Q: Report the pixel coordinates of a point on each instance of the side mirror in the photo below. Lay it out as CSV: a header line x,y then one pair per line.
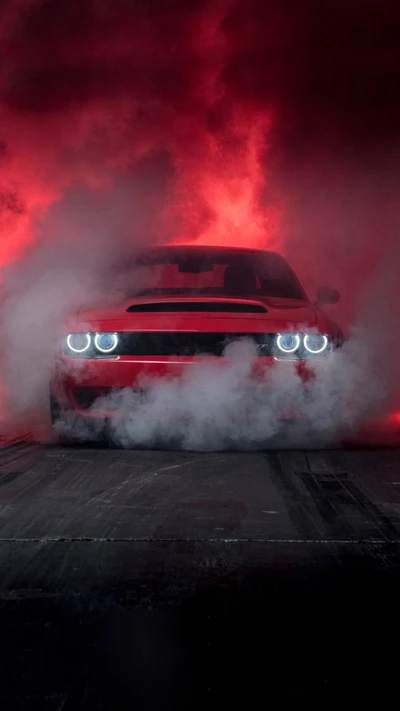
x,y
326,295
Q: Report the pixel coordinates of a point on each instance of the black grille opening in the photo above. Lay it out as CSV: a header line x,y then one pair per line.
x,y
197,306
88,397
185,343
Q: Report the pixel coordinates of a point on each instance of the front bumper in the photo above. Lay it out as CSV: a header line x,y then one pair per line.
x,y
83,386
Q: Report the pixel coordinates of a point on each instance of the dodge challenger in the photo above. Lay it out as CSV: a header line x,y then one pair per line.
x,y
181,306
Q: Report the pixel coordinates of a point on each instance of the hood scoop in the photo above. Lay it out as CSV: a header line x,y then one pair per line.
x,y
236,307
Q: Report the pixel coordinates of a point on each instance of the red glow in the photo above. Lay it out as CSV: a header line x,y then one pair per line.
x,y
228,180
395,419
148,88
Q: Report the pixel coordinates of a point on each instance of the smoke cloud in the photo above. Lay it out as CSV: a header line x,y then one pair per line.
x,y
250,123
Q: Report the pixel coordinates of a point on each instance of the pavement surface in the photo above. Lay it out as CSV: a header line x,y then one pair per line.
x,y
159,579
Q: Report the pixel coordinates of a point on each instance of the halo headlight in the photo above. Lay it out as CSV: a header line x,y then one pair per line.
x,y
288,342
315,343
78,342
106,342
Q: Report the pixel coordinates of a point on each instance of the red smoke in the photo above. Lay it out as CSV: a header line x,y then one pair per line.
x,y
97,95
227,121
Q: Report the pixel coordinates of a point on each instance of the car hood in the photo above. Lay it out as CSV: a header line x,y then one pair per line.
x,y
172,312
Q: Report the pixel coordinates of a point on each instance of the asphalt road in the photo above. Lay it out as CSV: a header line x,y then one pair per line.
x,y
158,580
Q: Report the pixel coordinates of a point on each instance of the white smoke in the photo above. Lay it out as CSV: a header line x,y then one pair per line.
x,y
221,405
81,239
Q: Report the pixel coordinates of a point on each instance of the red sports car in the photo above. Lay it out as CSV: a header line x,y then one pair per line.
x,y
183,306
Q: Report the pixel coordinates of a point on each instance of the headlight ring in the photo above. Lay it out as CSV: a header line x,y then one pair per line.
x,y
106,342
79,342
288,342
315,343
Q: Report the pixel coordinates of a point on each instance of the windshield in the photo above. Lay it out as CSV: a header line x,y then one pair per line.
x,y
208,272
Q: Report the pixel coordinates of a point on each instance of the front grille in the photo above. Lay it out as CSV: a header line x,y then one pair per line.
x,y
182,343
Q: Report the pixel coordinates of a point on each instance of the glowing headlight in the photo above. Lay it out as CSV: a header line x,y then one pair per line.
x,y
106,342
315,343
288,342
78,342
